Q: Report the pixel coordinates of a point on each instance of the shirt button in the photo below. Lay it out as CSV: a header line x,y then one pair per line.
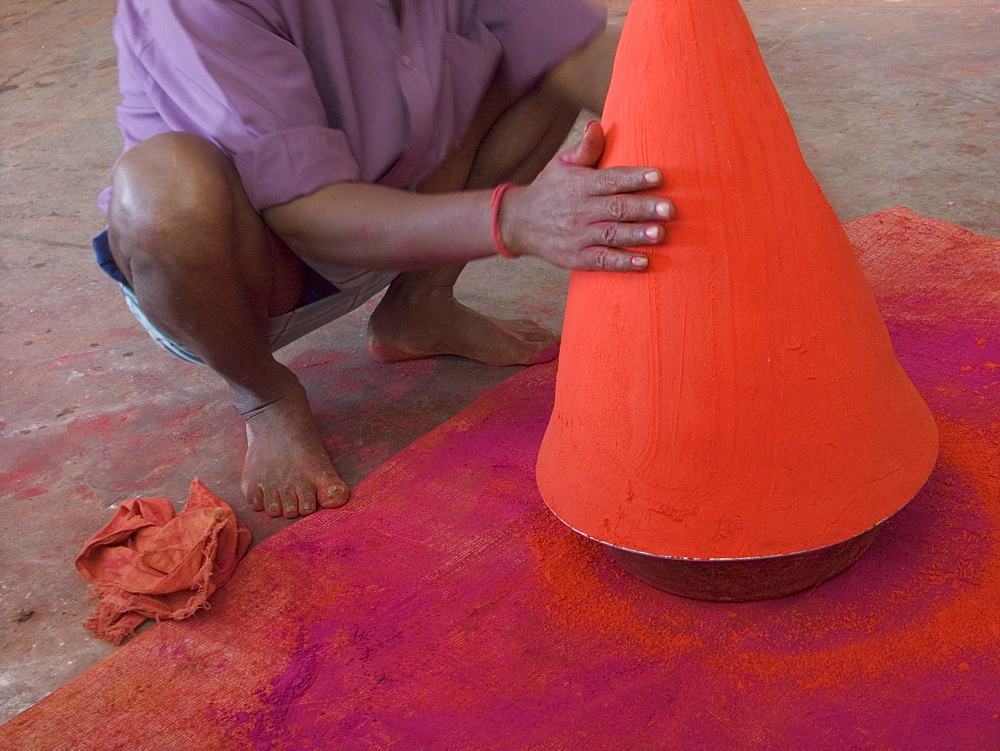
x,y
407,61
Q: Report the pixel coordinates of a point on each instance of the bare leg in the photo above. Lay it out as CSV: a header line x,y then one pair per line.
x,y
208,272
419,315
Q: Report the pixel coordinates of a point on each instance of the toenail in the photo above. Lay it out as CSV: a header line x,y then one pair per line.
x,y
307,507
273,507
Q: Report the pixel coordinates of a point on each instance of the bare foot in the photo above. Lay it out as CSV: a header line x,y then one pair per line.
x,y
436,323
287,470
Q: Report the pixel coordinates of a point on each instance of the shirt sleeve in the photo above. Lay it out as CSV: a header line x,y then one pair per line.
x,y
537,35
229,74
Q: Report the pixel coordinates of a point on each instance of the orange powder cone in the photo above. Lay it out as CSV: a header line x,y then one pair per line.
x,y
741,398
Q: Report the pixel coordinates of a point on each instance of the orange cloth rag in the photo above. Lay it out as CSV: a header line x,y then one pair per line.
x,y
149,562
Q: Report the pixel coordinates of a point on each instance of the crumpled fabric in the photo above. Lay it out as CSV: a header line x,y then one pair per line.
x,y
149,562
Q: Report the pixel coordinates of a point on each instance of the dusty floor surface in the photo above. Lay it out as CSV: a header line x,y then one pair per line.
x,y
896,102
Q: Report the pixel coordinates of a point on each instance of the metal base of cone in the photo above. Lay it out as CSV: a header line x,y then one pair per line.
x,y
744,579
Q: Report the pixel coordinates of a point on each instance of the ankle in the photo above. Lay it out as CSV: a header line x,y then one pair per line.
x,y
418,287
250,402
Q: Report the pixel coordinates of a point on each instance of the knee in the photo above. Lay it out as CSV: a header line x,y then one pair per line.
x,y
168,190
585,76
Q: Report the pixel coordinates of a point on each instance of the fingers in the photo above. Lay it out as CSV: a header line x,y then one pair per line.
x,y
630,221
625,234
579,217
629,208
598,258
587,152
609,239
612,180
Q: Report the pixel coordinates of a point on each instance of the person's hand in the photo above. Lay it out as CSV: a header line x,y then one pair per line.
x,y
578,217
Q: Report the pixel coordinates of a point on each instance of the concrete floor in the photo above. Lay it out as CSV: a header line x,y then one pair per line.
x,y
896,102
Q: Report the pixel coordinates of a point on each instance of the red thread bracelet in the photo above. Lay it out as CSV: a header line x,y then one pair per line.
x,y
498,242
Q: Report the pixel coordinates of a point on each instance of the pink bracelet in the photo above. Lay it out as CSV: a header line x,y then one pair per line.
x,y
498,242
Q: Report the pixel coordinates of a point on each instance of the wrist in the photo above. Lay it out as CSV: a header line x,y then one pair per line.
x,y
500,220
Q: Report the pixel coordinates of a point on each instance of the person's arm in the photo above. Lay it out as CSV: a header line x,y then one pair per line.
x,y
289,160
225,72
376,227
572,215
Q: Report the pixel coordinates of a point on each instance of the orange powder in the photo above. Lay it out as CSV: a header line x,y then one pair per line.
x,y
741,398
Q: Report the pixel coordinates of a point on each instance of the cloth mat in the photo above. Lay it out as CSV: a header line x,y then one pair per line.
x,y
445,607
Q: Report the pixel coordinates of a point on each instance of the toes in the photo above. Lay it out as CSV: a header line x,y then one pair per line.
x,y
301,500
300,497
519,327
531,344
289,504
537,336
307,499
543,337
530,331
531,327
333,493
547,355
273,506
256,498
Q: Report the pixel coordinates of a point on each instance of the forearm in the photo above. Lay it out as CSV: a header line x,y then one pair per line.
x,y
374,227
572,215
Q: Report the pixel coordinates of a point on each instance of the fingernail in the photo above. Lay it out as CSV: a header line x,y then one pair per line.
x,y
664,209
652,177
653,232
639,262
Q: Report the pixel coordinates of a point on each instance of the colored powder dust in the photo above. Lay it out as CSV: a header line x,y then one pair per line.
x,y
445,608
587,592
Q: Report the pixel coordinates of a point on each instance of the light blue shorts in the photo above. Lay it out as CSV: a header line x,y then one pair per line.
x,y
351,289
284,329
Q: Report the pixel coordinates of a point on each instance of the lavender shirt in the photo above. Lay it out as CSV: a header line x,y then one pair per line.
x,y
306,93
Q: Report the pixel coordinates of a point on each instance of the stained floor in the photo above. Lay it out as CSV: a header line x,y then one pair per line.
x,y
896,102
